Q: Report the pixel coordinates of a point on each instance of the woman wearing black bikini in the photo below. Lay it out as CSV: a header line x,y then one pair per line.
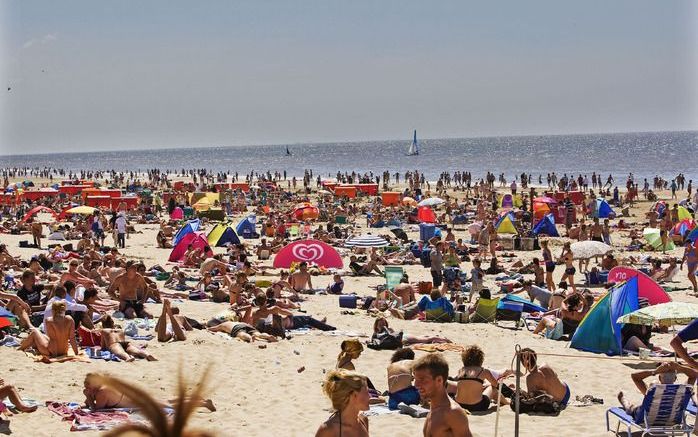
x,y
549,265
348,393
475,386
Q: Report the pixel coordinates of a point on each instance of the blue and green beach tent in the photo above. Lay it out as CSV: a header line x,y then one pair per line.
x,y
546,226
190,226
221,235
599,331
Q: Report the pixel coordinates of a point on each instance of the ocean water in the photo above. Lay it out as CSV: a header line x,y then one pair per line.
x,y
644,154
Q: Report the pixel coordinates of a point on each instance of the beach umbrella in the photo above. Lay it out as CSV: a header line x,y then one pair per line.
x,y
82,210
651,235
306,211
311,251
366,240
665,314
407,200
589,249
431,201
6,318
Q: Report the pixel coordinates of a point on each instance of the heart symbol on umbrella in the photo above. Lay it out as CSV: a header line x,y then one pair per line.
x,y
308,252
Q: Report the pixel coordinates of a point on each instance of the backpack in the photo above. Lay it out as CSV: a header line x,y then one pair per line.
x,y
385,340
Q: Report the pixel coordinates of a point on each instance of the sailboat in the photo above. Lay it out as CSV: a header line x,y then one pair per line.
x,y
414,147
288,152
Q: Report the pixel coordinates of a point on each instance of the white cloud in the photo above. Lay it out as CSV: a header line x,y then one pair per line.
x,y
42,41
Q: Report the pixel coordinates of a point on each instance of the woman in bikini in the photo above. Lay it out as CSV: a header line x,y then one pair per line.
x,y
349,395
690,256
549,265
568,258
100,397
475,386
381,324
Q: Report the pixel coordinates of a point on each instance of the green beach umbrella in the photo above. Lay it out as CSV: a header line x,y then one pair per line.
x,y
652,237
665,314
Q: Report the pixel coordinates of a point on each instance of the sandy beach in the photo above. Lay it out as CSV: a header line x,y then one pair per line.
x,y
262,392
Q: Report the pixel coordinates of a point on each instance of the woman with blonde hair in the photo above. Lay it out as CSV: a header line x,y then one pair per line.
x,y
351,350
348,392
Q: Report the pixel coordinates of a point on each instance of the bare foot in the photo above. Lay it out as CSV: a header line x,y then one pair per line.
x,y
150,358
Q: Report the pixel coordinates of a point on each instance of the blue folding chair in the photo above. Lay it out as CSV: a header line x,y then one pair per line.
x,y
663,412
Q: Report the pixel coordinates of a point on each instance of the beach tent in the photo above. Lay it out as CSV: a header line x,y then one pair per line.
x,y
189,227
647,287
310,251
505,224
683,227
426,215
305,211
684,214
37,209
221,235
599,331
546,226
654,239
196,239
603,209
246,228
660,208
510,201
693,236
177,214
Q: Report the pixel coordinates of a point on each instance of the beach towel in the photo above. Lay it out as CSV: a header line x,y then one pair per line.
x,y
87,420
378,410
81,357
438,347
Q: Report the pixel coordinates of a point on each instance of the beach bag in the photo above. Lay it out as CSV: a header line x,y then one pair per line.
x,y
461,317
540,404
385,341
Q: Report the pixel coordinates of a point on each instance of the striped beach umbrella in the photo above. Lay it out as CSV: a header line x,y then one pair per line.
x,y
366,240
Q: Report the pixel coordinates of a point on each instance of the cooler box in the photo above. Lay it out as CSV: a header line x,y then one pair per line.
x,y
390,198
506,243
425,258
426,231
348,301
527,243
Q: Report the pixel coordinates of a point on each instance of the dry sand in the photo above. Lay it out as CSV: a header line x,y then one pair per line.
x,y
259,392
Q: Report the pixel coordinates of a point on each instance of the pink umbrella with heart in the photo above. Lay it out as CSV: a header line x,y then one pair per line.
x,y
310,251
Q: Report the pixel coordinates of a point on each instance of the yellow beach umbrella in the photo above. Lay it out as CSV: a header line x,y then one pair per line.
x,y
83,210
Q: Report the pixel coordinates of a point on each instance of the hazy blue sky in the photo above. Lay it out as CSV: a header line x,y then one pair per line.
x,y
98,75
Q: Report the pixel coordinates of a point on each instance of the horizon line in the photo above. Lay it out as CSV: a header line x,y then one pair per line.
x,y
314,143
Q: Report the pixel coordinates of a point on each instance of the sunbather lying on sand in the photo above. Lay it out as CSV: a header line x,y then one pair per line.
x,y
100,397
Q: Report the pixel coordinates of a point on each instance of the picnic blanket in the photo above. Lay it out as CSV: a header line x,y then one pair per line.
x,y
438,347
85,419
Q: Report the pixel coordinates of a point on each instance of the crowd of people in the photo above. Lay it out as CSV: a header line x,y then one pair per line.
x,y
87,296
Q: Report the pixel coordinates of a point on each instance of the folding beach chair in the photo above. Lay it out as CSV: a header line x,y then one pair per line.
x,y
486,311
663,412
293,231
393,276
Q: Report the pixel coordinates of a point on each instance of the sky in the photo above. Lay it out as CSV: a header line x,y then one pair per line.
x,y
108,75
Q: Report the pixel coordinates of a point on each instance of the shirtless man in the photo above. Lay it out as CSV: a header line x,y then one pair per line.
x,y
596,231
60,333
242,331
405,292
543,379
446,418
114,340
301,279
213,263
130,285
73,275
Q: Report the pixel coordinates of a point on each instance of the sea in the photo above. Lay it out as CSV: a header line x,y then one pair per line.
x,y
645,154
